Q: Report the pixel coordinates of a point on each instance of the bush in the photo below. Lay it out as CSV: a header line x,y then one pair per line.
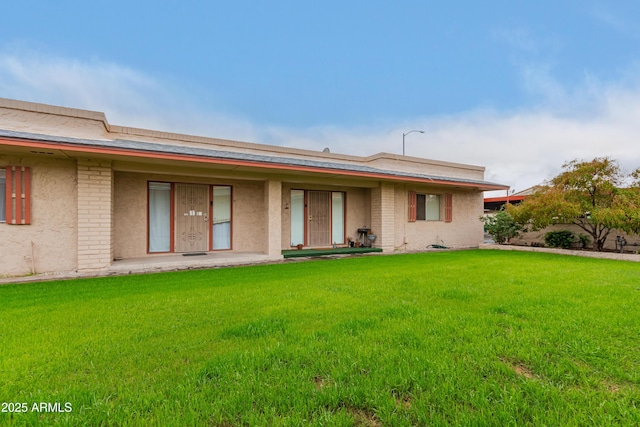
x,y
584,240
559,239
501,226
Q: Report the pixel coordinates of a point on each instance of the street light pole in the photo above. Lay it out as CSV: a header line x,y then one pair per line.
x,y
405,134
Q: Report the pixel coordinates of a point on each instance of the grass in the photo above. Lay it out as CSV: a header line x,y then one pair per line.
x,y
454,338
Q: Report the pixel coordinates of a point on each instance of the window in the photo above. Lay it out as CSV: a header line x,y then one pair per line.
x,y
297,217
337,217
221,217
159,217
427,207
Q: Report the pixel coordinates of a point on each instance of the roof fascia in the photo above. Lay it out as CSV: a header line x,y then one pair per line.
x,y
126,152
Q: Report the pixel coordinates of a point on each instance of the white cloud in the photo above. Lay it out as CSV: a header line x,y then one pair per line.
x,y
519,148
127,96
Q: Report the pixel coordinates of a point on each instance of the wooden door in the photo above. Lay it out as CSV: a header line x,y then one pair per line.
x,y
192,218
319,218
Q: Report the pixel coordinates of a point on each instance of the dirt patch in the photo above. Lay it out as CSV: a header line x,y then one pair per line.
x,y
364,417
615,388
520,369
523,371
322,382
402,400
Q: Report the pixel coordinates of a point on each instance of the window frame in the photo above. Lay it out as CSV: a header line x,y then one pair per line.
x,y
418,207
333,230
172,218
423,210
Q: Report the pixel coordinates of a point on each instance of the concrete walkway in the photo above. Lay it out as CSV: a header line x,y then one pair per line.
x,y
587,254
155,264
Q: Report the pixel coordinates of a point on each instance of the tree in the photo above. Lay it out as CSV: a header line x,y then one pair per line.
x,y
501,226
587,194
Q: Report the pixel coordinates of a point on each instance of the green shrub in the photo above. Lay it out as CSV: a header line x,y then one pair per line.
x,y
559,239
501,226
584,240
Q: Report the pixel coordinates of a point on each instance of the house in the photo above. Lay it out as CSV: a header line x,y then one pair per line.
x,y
80,194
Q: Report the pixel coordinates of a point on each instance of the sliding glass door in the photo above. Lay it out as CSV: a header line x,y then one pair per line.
x,y
188,217
317,218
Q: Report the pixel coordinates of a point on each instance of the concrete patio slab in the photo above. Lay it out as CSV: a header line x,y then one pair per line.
x,y
158,263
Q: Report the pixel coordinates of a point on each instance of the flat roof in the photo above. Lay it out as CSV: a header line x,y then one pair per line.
x,y
125,147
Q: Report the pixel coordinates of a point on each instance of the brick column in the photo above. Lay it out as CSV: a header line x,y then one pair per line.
x,y
273,209
95,215
383,216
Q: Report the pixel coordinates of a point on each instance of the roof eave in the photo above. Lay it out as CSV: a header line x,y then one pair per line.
x,y
77,146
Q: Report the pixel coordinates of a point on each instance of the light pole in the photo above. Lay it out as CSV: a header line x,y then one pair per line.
x,y
405,134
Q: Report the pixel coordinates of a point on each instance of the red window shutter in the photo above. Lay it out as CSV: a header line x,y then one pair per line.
x,y
8,194
448,207
18,193
412,206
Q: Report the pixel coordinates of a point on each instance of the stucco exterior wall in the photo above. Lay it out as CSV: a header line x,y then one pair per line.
x,y
130,212
465,229
425,166
358,211
49,243
249,217
130,215
51,120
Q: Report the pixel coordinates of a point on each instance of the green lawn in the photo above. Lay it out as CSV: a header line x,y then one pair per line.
x,y
452,338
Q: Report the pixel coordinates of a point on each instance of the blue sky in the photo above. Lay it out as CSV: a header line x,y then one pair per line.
x,y
517,86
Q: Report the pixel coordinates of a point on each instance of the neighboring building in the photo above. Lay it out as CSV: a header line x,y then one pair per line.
x,y
77,192
494,204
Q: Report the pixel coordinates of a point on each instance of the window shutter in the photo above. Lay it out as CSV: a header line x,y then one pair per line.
x,y
412,206
448,207
18,195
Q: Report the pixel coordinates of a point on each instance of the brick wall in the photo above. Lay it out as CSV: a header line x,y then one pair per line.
x,y
383,216
95,215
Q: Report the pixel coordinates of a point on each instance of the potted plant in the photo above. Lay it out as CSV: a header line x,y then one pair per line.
x,y
299,246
